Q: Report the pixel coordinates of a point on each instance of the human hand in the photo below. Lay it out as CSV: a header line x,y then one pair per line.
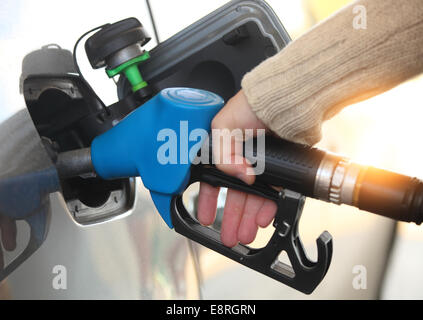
x,y
243,213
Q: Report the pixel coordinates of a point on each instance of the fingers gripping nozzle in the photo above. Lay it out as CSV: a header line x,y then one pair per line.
x,y
302,274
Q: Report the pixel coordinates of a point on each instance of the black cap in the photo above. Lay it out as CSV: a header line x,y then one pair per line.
x,y
112,38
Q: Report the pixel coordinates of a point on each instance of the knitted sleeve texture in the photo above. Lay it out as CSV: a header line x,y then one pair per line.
x,y
335,65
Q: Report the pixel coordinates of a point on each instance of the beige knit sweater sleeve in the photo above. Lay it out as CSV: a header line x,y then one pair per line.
x,y
334,65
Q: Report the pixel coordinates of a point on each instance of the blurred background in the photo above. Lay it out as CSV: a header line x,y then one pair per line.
x,y
383,132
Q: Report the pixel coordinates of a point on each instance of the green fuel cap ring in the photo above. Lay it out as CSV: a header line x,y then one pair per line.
x,y
119,48
131,71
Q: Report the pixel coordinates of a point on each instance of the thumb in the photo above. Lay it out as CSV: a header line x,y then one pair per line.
x,y
228,136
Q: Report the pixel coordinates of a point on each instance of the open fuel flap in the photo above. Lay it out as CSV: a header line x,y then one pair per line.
x,y
67,115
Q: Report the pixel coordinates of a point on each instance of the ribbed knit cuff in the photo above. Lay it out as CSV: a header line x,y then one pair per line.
x,y
334,65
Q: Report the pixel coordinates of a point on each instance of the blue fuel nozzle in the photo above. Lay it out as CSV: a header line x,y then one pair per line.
x,y
158,142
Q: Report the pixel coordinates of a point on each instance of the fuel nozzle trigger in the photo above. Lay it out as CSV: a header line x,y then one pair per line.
x,y
302,274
